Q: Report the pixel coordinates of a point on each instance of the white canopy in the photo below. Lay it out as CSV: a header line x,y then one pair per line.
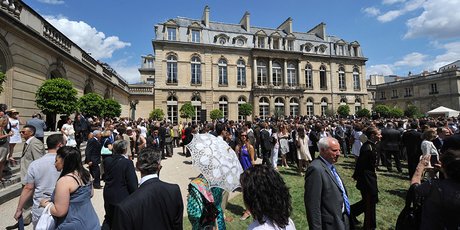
x,y
443,111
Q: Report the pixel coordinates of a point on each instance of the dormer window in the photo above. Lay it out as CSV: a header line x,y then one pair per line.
x,y
222,41
276,43
196,35
321,48
290,45
239,42
261,42
308,47
171,33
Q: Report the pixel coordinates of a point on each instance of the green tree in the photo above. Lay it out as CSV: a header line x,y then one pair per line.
x,y
412,111
56,96
187,110
329,112
363,113
396,112
2,80
245,110
91,104
343,110
383,110
111,108
216,114
157,114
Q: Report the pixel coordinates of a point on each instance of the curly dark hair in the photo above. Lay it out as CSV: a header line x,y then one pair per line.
x,y
266,195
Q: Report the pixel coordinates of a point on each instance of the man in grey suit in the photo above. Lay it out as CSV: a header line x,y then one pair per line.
x,y
39,125
325,197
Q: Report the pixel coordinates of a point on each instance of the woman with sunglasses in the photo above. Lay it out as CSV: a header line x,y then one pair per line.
x,y
245,153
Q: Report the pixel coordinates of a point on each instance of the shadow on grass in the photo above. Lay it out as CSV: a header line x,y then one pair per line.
x,y
290,172
396,176
235,209
398,192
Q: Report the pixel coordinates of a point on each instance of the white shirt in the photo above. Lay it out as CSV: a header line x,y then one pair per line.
x,y
268,225
148,177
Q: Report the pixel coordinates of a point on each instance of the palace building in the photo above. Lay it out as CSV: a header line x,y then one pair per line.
x,y
279,71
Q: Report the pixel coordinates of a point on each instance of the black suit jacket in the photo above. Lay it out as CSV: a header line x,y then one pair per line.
x,y
412,139
391,138
154,205
93,151
120,178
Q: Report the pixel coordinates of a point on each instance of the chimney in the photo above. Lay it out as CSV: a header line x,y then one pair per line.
x,y
319,30
244,22
286,26
205,18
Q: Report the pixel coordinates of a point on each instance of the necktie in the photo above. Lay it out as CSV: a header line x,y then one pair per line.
x,y
345,197
24,148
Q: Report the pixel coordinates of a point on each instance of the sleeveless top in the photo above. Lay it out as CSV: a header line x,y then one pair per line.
x,y
245,159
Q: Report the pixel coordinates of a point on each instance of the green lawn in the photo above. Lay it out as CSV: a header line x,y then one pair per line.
x,y
392,187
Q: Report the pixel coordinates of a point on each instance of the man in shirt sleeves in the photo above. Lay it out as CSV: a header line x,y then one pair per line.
x,y
155,204
326,200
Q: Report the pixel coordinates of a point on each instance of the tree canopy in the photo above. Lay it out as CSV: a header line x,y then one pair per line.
x,y
56,96
245,110
91,104
157,114
343,110
111,108
216,114
187,110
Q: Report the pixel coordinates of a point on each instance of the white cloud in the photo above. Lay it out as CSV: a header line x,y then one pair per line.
x,y
438,20
129,72
451,54
52,2
391,2
87,37
412,60
381,69
371,11
390,15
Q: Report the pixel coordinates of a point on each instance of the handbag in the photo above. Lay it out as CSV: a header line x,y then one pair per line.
x,y
46,220
105,150
410,216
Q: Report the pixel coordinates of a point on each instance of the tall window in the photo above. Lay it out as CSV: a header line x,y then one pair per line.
x,y
342,78
408,92
356,80
241,100
172,69
322,77
171,33
223,106
357,105
394,93
279,106
291,75
323,106
434,88
196,71
262,73
196,103
261,42
223,80
263,107
241,72
382,95
308,77
172,109
196,36
276,43
290,45
310,107
277,74
294,107
340,50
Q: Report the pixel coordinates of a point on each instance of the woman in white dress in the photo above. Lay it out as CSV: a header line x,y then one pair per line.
x,y
68,130
283,136
356,140
16,138
276,148
303,153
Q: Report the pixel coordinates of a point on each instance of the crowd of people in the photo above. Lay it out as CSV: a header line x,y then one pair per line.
x,y
115,148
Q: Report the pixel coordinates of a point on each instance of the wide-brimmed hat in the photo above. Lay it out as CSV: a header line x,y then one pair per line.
x,y
12,111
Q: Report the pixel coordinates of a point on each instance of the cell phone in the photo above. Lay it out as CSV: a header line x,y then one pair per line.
x,y
434,160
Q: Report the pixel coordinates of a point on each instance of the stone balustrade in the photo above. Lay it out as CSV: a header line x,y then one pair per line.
x,y
13,7
141,90
56,37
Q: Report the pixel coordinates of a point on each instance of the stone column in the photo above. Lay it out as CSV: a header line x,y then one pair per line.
x,y
299,74
271,108
270,77
287,107
285,83
254,71
255,106
302,106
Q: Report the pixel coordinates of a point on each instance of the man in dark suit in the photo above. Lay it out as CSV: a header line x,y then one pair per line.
x,y
326,199
412,140
155,204
93,157
266,143
391,138
39,125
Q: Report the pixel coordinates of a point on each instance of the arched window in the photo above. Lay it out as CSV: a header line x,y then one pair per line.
x,y
223,106
291,75
241,73
279,107
196,103
356,80
223,79
310,107
262,73
264,104
171,65
323,106
196,71
357,105
342,78
172,109
322,77
308,77
241,100
277,75
294,107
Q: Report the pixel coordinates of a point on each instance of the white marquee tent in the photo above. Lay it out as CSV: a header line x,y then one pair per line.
x,y
443,111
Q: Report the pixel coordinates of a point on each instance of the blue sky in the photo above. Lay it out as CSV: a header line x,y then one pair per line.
x,y
397,36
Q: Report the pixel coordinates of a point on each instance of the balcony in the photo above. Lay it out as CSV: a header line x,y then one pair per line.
x,y
141,90
284,89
